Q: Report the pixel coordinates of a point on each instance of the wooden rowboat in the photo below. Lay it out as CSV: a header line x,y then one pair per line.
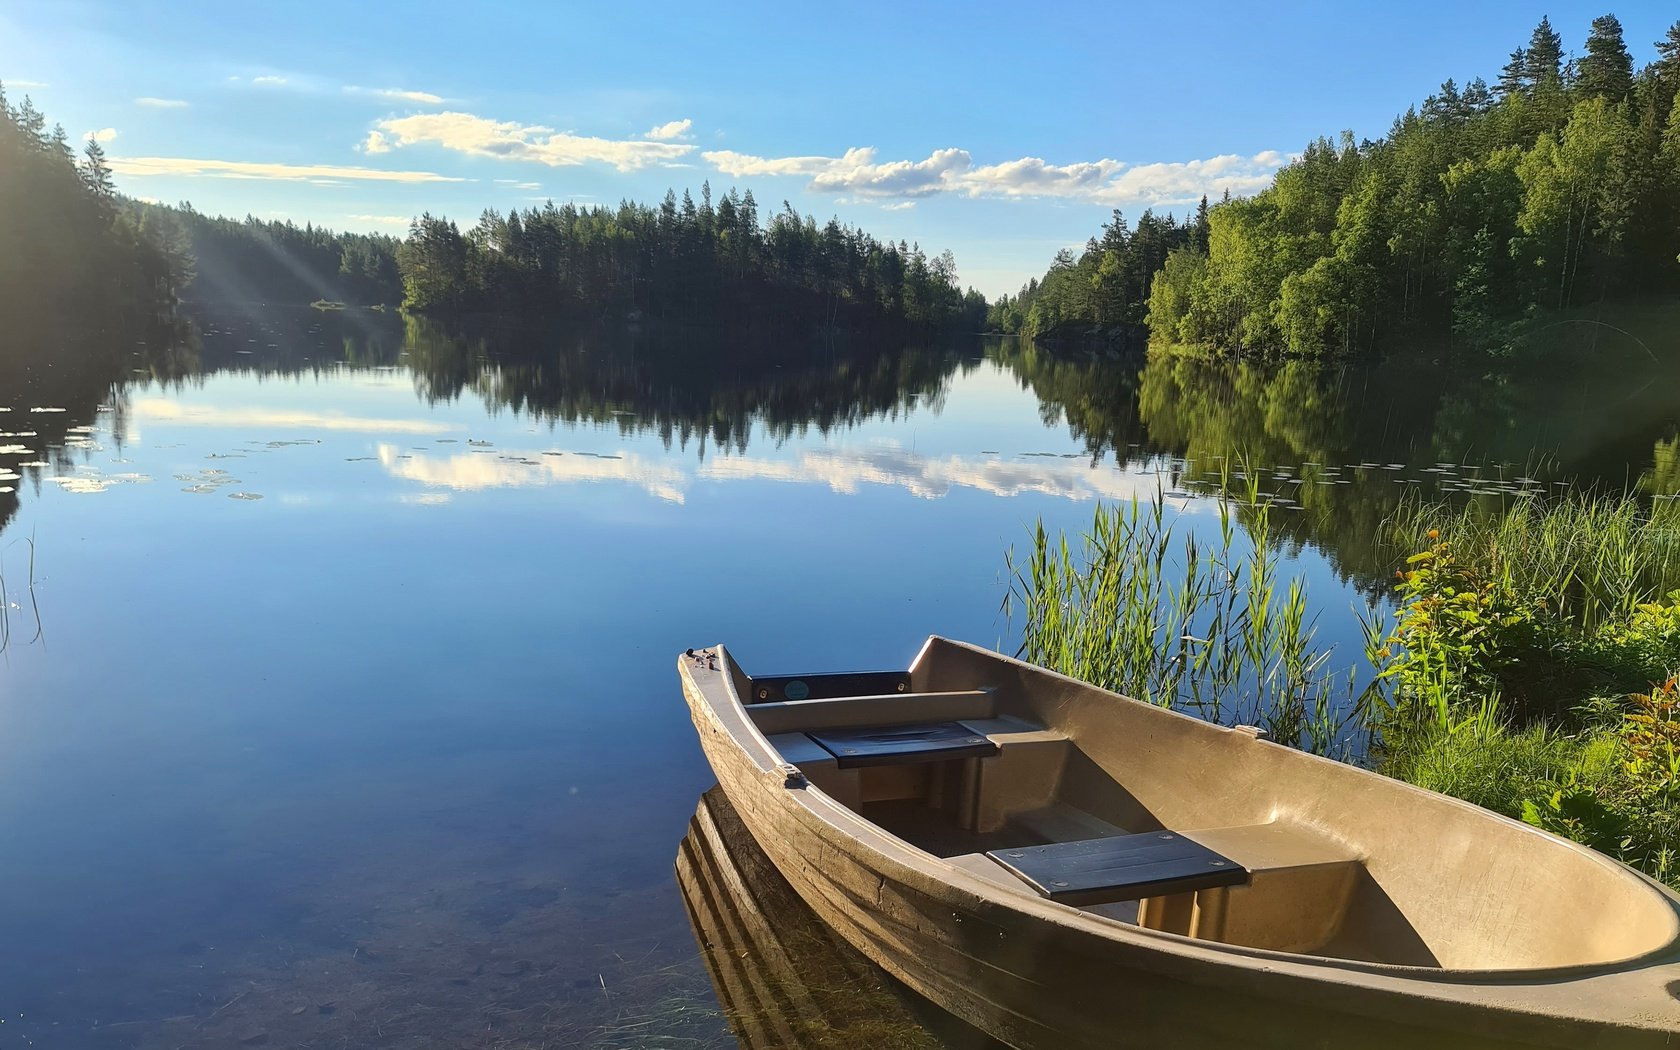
x,y
1062,867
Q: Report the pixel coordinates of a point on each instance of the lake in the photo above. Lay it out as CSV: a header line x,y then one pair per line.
x,y
338,703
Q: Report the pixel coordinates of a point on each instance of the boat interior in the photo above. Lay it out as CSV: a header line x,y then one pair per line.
x,y
1045,787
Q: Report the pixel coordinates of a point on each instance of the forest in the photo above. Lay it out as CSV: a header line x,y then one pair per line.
x,y
682,262
1483,214
70,246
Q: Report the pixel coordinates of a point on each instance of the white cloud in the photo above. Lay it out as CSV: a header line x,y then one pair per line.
x,y
1032,177
160,103
398,95
519,184
743,165
25,83
239,169
898,206
507,140
268,81
855,172
102,135
383,220
676,129
1106,181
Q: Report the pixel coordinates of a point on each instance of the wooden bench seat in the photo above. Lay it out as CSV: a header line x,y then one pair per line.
x,y
887,709
902,745
1120,868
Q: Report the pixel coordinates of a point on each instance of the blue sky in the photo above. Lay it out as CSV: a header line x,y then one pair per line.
x,y
1000,131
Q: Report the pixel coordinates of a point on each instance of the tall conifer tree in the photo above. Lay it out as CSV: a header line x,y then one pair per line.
x,y
1543,60
1607,69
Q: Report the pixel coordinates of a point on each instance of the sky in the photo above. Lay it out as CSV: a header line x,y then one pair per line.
x,y
1003,132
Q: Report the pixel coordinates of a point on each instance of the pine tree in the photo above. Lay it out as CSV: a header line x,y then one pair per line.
x,y
1665,71
33,125
60,146
1543,61
1607,69
1513,79
1668,51
96,174
1478,97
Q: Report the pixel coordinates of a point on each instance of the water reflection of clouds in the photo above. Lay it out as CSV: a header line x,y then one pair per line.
x,y
841,470
487,470
166,410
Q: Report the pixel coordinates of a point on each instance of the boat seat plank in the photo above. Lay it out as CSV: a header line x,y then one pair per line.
x,y
778,688
902,745
803,716
1119,868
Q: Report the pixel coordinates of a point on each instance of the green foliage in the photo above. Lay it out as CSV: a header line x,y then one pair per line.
x,y
1451,633
1480,208
1108,284
1569,611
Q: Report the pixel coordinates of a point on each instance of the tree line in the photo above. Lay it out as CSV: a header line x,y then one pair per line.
x,y
278,261
687,261
69,246
1481,212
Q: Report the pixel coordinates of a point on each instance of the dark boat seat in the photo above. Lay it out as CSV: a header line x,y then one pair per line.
x,y
858,712
902,745
1120,868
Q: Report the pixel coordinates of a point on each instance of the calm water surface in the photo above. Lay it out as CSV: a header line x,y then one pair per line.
x,y
338,703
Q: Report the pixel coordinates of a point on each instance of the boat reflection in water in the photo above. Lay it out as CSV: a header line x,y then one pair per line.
x,y
784,978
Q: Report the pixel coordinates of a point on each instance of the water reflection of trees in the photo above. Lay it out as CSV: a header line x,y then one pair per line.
x,y
1310,423
71,370
1303,430
685,386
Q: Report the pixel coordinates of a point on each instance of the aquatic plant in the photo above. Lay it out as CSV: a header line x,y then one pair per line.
x,y
1142,607
7,604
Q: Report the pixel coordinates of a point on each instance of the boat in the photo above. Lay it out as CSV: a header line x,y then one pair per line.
x,y
1060,866
786,981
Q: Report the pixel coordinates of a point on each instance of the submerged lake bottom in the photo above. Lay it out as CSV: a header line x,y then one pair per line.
x,y
338,704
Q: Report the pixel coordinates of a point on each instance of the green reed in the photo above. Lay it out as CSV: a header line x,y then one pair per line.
x,y
6,602
1140,606
1585,558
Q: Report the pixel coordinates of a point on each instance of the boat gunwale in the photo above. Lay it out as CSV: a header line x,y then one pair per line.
x,y
868,836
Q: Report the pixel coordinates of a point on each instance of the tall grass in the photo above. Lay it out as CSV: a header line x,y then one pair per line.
x,y
1142,607
1585,559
